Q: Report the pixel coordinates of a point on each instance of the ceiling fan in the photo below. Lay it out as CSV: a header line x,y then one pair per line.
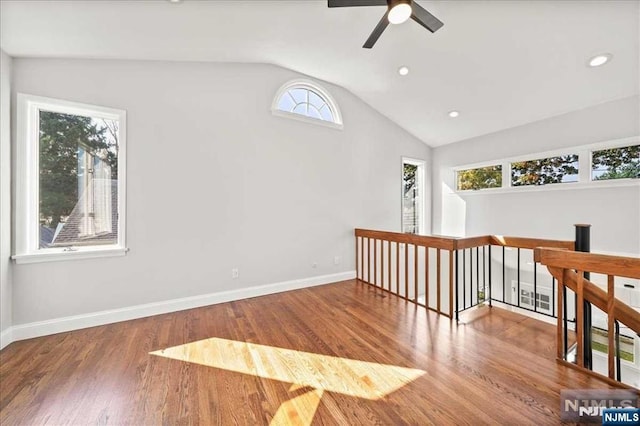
x,y
397,12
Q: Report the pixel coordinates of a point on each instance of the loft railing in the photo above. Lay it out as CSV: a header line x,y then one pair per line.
x,y
508,272
570,270
451,275
413,267
446,274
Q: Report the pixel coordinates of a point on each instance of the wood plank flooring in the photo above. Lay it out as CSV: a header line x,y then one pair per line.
x,y
292,358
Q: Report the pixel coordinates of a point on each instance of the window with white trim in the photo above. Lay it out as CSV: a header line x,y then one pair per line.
x,y
479,178
70,180
610,163
616,163
307,100
413,196
544,171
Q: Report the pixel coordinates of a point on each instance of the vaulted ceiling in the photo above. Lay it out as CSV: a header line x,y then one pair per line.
x,y
500,63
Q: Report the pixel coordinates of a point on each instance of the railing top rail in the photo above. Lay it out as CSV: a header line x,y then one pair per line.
x,y
620,266
455,243
445,243
531,243
472,242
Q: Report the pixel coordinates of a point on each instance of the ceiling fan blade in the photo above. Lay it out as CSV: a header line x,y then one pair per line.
x,y
349,3
424,18
377,31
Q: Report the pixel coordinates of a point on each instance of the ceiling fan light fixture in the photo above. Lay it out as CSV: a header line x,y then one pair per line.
x,y
399,11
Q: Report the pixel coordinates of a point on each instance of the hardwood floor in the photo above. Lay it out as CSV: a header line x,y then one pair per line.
x,y
342,353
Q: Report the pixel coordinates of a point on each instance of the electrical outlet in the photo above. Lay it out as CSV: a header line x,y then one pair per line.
x,y
235,273
337,260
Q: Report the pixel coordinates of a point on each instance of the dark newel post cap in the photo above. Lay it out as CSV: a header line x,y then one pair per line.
x,y
583,225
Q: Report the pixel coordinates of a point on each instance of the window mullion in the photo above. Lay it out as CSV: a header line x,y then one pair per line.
x,y
584,166
506,174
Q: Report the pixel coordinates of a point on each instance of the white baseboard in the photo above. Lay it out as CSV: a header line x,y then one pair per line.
x,y
76,322
6,337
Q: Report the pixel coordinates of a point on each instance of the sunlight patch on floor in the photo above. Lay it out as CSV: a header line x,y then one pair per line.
x,y
351,377
299,410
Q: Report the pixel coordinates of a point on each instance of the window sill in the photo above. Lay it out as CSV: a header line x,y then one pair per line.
x,y
60,255
305,119
553,187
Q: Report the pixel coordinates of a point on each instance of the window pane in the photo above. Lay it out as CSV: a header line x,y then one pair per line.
x,y
301,109
327,114
78,160
286,103
617,163
316,100
560,169
314,113
300,95
410,200
484,177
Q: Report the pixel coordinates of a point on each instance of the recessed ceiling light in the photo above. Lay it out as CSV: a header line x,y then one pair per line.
x,y
175,1
454,114
599,60
400,11
403,70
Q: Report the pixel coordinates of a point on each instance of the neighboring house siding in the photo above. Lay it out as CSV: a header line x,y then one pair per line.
x,y
68,235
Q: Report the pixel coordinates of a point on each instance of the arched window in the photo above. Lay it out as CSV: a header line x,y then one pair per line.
x,y
305,99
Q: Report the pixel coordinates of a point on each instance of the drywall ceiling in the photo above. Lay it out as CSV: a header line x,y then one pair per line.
x,y
500,63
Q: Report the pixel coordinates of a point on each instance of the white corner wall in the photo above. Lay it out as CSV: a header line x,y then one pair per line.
x,y
5,199
215,182
613,212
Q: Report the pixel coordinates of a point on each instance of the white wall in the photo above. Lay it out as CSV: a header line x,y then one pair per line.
x,y
5,196
215,181
613,212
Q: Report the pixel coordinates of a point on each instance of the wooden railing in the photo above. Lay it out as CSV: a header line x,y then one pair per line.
x,y
383,258
569,269
450,275
434,271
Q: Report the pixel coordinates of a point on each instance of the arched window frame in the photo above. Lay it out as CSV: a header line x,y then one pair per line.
x,y
314,87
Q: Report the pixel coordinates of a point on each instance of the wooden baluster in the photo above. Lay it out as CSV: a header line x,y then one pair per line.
x,y
368,261
426,277
362,258
450,283
389,262
439,280
415,273
561,314
375,262
610,326
382,264
397,269
357,257
580,319
406,270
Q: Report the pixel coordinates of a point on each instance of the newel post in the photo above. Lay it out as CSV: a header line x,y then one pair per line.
x,y
583,237
583,244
